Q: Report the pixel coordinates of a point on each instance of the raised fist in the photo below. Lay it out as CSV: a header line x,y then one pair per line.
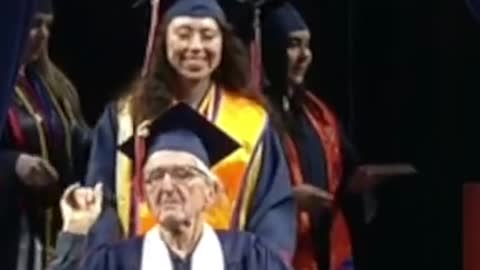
x,y
80,207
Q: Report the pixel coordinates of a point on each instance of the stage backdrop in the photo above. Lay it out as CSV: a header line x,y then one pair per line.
x,y
402,75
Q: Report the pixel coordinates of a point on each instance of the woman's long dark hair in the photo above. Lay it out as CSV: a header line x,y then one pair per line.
x,y
155,93
275,63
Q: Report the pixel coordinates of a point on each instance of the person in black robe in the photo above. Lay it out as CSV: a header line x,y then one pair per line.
x,y
179,187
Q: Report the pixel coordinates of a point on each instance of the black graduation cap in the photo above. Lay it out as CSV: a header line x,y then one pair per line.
x,y
196,8
200,8
279,20
181,128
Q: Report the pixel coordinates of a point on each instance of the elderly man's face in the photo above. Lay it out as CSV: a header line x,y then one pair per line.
x,y
176,190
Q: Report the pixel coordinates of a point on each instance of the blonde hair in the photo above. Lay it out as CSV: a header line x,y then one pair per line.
x,y
61,87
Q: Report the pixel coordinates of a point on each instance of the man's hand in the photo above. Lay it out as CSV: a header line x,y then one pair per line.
x,y
311,198
80,207
35,171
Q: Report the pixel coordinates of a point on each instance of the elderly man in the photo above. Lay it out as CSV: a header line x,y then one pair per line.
x,y
179,187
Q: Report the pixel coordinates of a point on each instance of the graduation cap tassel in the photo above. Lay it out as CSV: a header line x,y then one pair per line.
x,y
140,155
154,23
255,53
139,159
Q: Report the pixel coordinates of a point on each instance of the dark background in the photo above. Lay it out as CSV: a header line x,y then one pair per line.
x,y
402,75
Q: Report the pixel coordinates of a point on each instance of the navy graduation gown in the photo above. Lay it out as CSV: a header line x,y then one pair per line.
x,y
22,202
272,214
15,18
242,251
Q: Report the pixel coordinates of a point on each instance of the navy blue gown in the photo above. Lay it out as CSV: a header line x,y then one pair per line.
x,y
15,18
29,217
242,251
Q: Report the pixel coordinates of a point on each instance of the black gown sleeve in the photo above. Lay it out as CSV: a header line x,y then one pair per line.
x,y
9,182
101,162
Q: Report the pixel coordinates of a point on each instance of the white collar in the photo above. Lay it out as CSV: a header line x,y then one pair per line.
x,y
208,253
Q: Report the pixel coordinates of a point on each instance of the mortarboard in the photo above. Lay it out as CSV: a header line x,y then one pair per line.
x,y
183,129
279,21
196,8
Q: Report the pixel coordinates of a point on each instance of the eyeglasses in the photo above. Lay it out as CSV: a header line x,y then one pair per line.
x,y
177,173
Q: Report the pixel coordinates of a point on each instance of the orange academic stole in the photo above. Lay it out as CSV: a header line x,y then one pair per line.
x,y
325,125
